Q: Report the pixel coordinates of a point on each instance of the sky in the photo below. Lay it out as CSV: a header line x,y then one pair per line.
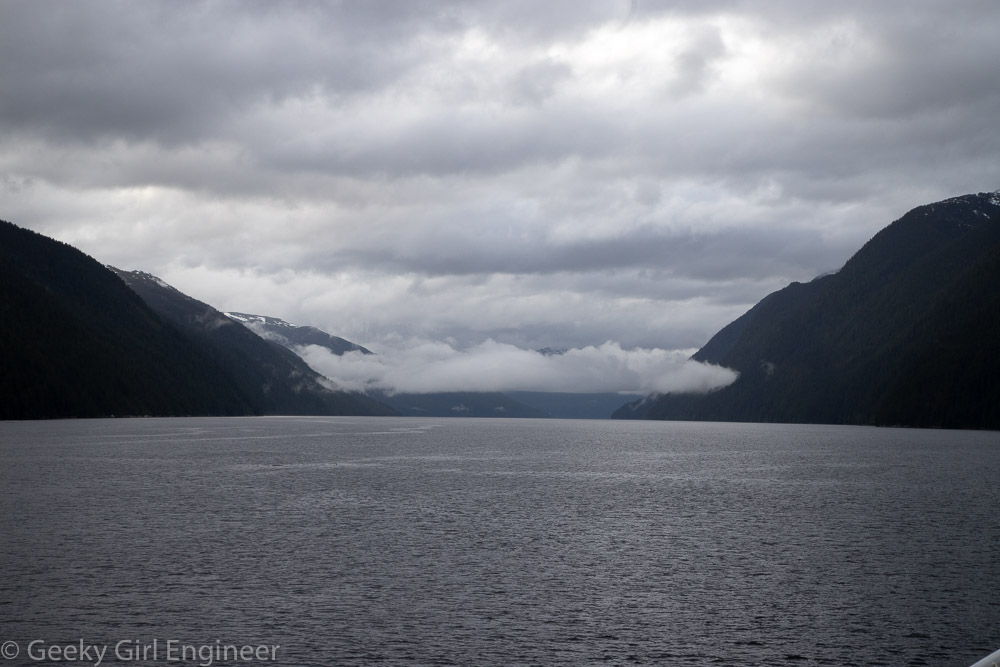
x,y
482,179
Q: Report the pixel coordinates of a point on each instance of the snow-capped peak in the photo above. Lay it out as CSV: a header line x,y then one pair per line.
x,y
146,277
247,318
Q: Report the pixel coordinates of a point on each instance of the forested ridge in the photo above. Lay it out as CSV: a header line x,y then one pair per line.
x,y
904,334
77,341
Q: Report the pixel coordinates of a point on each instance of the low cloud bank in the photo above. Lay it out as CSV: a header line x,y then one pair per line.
x,y
431,366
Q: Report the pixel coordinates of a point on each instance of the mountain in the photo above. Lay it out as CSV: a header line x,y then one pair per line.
x,y
460,404
437,404
276,380
562,405
292,335
528,404
75,341
904,333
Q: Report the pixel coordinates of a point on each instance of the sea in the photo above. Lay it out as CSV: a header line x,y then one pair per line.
x,y
394,541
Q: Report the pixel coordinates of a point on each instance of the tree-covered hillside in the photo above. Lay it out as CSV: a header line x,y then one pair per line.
x,y
276,379
904,333
75,341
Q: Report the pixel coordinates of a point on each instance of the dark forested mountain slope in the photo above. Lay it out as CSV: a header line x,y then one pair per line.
x,y
950,376
77,342
902,334
275,379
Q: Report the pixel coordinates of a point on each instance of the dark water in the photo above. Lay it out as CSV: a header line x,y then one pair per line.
x,y
404,541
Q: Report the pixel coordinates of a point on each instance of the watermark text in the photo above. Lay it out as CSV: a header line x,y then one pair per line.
x,y
138,651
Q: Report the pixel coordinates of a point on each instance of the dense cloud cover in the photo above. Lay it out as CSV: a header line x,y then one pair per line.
x,y
534,174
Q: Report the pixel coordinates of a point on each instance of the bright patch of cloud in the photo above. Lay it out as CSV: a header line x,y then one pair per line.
x,y
431,366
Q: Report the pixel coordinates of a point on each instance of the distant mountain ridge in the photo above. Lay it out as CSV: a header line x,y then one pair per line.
x,y
276,380
565,405
291,335
905,333
510,404
433,404
460,404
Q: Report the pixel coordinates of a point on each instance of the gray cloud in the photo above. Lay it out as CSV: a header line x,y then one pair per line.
x,y
722,255
562,174
106,70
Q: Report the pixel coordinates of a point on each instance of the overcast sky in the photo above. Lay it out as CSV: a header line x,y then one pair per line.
x,y
530,174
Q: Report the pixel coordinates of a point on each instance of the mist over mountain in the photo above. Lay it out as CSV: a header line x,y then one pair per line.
x,y
421,366
510,404
274,378
904,333
307,342
433,379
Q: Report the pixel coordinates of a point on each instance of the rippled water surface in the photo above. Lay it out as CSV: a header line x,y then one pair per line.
x,y
353,541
